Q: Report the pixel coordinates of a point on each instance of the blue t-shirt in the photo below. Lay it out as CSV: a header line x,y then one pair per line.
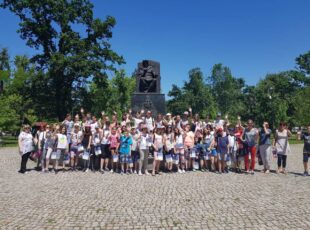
x,y
222,143
264,139
125,143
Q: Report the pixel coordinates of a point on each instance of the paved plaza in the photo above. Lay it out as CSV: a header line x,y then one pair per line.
x,y
195,200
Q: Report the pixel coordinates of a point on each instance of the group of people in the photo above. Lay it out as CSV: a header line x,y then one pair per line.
x,y
175,143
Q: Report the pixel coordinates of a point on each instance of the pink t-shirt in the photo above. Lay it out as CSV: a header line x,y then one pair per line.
x,y
114,140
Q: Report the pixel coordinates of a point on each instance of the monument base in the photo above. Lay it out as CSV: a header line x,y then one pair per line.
x,y
154,102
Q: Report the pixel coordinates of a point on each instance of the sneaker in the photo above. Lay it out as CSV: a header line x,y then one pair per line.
x,y
111,171
194,170
147,173
140,173
252,172
106,169
183,171
134,172
122,172
202,170
267,171
306,173
180,171
86,170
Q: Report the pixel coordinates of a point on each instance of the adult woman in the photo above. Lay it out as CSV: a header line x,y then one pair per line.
x,y
250,138
265,146
25,144
86,141
282,146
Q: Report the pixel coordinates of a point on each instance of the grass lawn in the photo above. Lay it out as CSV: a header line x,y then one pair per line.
x,y
9,141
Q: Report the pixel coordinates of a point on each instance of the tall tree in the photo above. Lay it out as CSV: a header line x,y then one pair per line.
x,y
69,57
226,89
4,68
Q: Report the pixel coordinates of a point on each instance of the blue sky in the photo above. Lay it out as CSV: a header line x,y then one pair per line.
x,y
253,38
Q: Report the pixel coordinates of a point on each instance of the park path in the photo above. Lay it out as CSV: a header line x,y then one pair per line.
x,y
195,200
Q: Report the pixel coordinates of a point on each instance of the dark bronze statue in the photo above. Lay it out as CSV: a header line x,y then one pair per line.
x,y
147,78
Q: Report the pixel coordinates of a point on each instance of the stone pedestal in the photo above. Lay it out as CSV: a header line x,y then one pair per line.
x,y
154,102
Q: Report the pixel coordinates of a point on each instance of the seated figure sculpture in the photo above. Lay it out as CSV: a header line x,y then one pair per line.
x,y
147,78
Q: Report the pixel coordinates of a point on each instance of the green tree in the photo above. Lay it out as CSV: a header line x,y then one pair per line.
x,y
303,62
4,68
227,90
69,58
302,104
195,94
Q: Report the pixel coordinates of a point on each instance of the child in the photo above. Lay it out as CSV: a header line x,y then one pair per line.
x,y
232,148
105,147
169,148
199,152
144,140
86,141
49,145
96,147
114,144
76,139
125,150
179,149
222,150
134,150
189,142
210,152
62,148
158,146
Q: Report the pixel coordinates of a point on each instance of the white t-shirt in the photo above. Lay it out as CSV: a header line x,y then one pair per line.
x,y
219,123
92,127
62,141
232,141
26,140
137,121
149,123
144,141
134,142
76,137
105,138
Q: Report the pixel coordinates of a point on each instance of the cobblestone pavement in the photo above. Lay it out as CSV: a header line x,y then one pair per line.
x,y
195,200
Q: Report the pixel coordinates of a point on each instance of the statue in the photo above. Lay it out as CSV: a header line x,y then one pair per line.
x,y
148,77
148,95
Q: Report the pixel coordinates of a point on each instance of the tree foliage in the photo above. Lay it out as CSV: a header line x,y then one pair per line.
x,y
69,57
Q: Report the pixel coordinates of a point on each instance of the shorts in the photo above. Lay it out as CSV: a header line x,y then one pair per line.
x,y
123,158
306,157
187,154
213,152
135,156
62,154
175,158
73,150
222,156
105,151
